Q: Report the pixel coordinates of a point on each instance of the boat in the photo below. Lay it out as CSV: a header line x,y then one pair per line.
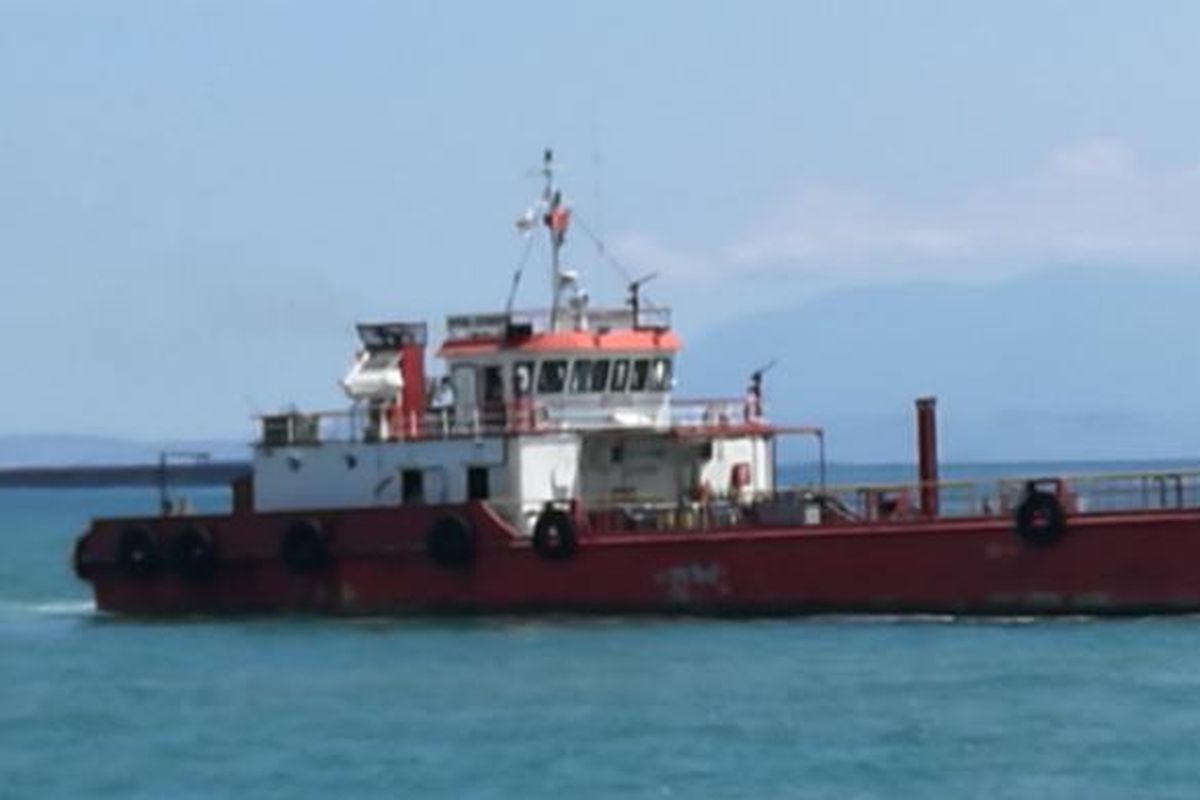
x,y
550,467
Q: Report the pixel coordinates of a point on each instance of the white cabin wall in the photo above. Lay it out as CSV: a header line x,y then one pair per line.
x,y
324,478
752,450
545,468
763,466
657,467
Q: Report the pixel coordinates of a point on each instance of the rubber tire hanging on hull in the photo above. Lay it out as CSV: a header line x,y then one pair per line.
x,y
137,553
1040,519
193,553
305,547
554,535
451,542
83,570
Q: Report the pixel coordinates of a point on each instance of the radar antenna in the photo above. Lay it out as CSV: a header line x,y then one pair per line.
x,y
635,295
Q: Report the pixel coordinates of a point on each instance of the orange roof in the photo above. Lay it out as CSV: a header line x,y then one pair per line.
x,y
560,341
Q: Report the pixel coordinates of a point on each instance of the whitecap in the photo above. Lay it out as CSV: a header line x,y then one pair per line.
x,y
55,608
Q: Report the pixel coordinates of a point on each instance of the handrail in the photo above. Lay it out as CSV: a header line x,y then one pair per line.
x,y
532,415
491,324
805,506
1094,493
989,497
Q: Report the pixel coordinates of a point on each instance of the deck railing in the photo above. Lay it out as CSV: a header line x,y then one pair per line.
x,y
999,498
365,425
498,325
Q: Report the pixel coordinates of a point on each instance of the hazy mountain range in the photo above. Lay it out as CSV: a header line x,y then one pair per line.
x,y
1064,364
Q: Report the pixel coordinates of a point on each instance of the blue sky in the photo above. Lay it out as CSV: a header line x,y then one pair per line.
x,y
198,198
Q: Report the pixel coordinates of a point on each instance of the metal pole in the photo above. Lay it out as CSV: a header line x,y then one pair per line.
x,y
162,483
821,457
927,458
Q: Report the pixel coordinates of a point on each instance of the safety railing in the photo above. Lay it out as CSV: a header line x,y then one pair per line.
x,y
363,424
865,504
499,325
1078,494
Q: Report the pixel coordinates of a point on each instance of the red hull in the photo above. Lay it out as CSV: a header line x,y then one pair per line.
x,y
1106,564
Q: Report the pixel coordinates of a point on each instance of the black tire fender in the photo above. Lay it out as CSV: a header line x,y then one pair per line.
x,y
554,535
451,542
83,569
137,552
304,548
1040,519
193,553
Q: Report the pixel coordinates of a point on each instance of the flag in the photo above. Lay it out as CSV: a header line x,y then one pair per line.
x,y
557,219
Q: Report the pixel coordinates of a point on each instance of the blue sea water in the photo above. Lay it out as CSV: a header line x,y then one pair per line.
x,y
569,707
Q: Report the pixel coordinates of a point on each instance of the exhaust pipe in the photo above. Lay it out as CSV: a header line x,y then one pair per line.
x,y
927,459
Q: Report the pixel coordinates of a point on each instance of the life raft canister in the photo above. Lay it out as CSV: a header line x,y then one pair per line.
x,y
137,552
451,542
193,553
554,535
305,547
1040,519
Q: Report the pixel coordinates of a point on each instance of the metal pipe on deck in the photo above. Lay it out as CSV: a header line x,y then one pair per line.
x,y
927,458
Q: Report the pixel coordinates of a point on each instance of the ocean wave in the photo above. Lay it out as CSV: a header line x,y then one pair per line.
x,y
54,608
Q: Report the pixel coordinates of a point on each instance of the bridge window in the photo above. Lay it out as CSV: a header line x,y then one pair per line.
x,y
552,377
599,375
581,375
660,375
641,375
620,374
493,385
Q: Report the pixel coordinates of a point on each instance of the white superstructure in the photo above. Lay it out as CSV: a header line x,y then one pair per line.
x,y
569,407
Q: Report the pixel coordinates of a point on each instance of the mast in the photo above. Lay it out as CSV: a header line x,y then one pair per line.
x,y
555,219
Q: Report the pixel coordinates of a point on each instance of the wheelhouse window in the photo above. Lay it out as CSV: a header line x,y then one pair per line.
x,y
493,385
599,375
581,376
552,377
641,375
660,375
620,375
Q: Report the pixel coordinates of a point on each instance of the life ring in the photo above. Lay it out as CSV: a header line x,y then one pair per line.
x,y
554,535
193,554
451,542
137,553
305,547
1040,519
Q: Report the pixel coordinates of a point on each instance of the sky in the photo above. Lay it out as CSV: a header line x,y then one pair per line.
x,y
198,199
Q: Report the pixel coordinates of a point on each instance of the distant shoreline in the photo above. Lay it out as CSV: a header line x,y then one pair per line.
x,y
222,473
215,473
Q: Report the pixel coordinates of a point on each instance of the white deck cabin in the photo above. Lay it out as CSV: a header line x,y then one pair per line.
x,y
571,406
521,417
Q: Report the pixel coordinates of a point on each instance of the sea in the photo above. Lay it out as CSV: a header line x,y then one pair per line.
x,y
570,707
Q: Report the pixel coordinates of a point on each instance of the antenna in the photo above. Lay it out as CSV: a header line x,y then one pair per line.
x,y
635,294
765,368
754,407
